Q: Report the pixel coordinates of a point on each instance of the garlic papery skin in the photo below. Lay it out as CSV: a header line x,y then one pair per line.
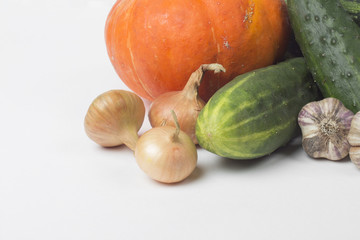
x,y
165,155
355,156
354,133
325,126
186,103
114,118
354,140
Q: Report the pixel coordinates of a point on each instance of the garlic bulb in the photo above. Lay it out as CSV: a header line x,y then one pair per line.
x,y
114,118
354,140
355,155
325,125
354,133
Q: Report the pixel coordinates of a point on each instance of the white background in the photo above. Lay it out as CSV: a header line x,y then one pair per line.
x,y
55,183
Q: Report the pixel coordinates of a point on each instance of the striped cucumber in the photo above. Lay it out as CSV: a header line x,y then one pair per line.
x,y
330,42
256,112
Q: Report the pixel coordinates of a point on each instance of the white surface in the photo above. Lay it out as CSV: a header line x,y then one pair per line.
x,y
57,184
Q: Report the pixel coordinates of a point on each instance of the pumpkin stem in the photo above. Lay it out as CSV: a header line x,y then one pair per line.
x,y
192,85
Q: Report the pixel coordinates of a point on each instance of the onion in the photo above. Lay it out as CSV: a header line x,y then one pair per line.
x,y
114,118
166,153
186,103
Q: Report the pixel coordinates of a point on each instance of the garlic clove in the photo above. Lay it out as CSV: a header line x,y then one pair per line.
x,y
355,155
354,140
325,125
354,133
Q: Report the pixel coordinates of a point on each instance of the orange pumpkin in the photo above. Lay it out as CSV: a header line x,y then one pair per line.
x,y
154,45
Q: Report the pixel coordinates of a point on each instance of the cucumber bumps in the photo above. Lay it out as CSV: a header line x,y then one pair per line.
x,y
330,42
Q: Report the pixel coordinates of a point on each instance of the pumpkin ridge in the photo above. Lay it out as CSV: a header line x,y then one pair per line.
x,y
213,32
128,43
269,23
216,43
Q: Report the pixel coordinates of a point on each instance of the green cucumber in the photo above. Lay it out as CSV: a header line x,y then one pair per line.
x,y
353,8
256,112
330,42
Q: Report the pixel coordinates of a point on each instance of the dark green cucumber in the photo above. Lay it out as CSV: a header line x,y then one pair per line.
x,y
256,112
352,7
330,42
